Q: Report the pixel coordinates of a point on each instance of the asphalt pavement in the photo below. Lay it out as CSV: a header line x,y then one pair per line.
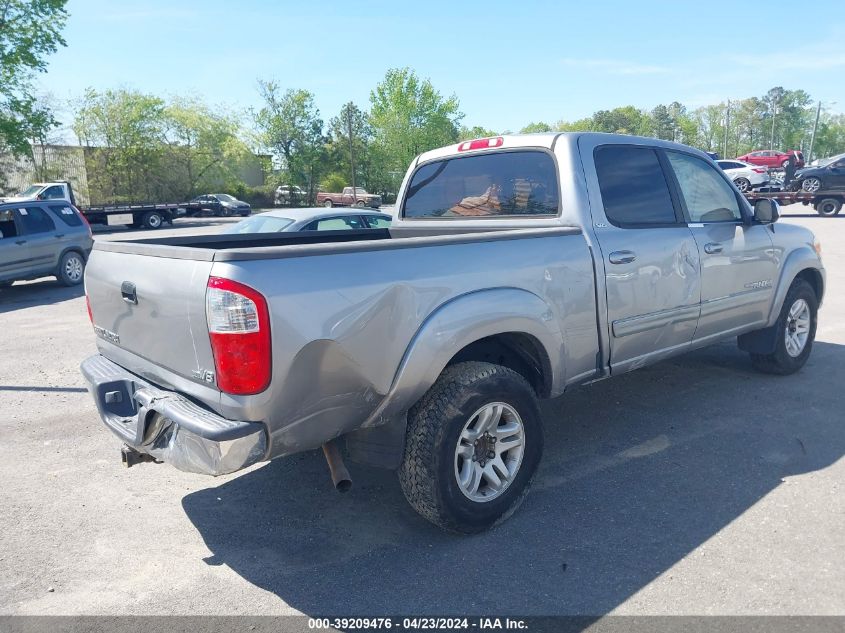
x,y
695,486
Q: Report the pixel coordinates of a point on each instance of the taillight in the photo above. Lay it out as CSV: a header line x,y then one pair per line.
x,y
760,171
481,143
239,329
88,305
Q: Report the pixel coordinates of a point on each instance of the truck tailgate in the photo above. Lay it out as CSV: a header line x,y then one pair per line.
x,y
149,315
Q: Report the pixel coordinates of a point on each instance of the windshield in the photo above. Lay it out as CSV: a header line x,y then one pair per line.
x,y
31,191
497,184
224,197
260,224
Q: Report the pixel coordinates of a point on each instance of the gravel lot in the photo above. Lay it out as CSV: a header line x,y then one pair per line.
x,y
695,486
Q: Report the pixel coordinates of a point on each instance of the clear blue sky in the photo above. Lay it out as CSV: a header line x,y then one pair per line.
x,y
510,63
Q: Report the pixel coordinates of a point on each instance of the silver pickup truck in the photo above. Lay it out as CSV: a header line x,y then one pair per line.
x,y
516,268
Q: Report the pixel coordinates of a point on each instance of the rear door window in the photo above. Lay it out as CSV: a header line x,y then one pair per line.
x,y
518,183
377,222
66,214
35,220
633,187
7,224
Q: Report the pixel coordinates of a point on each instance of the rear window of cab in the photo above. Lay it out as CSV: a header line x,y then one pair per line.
x,y
497,184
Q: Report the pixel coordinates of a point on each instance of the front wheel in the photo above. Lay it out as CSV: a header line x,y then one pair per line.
x,y
360,204
71,269
828,206
473,443
811,185
795,331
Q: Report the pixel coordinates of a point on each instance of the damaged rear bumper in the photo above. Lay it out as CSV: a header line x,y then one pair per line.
x,y
168,426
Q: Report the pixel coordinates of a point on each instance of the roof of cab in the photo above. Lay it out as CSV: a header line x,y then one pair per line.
x,y
548,141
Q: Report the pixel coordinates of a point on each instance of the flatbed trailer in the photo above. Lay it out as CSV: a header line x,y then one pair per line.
x,y
826,203
150,216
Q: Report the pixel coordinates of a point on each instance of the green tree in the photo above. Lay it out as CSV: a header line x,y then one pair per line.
x,y
290,125
205,148
351,119
624,120
408,116
533,128
471,133
30,30
125,133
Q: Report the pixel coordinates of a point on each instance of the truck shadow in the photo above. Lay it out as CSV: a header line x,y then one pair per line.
x,y
638,472
40,292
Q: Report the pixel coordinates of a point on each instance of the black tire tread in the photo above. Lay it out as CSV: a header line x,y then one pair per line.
x,y
417,473
773,363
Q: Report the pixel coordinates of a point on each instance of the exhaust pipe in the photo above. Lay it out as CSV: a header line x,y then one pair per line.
x,y
340,476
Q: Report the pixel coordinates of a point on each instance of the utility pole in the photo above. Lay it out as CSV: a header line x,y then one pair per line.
x,y
813,137
727,125
774,114
351,152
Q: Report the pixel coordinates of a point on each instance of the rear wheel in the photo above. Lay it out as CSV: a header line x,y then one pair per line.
x,y
327,204
828,206
795,331
743,184
71,269
473,443
152,220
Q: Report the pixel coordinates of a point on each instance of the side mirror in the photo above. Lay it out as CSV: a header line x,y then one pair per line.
x,y
766,211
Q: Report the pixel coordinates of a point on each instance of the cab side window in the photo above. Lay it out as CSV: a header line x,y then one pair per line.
x,y
7,224
707,196
633,187
35,220
53,193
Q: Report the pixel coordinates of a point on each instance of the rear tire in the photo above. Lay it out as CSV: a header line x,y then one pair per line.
x,y
799,311
467,420
71,269
328,204
152,220
828,206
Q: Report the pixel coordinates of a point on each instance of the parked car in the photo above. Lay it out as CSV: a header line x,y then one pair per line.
x,y
360,198
713,155
745,175
288,195
291,220
773,159
517,267
39,239
220,204
827,177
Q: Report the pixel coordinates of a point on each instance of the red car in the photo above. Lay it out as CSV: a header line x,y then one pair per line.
x,y
772,159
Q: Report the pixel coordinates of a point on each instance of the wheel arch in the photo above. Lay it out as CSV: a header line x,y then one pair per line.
x,y
801,263
508,326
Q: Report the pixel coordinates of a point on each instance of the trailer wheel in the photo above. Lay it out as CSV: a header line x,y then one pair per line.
x,y
152,220
828,206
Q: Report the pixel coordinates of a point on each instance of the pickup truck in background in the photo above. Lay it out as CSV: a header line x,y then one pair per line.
x,y
357,197
516,268
150,216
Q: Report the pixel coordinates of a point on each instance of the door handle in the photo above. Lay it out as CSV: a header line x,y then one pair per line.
x,y
711,248
621,257
59,236
20,241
